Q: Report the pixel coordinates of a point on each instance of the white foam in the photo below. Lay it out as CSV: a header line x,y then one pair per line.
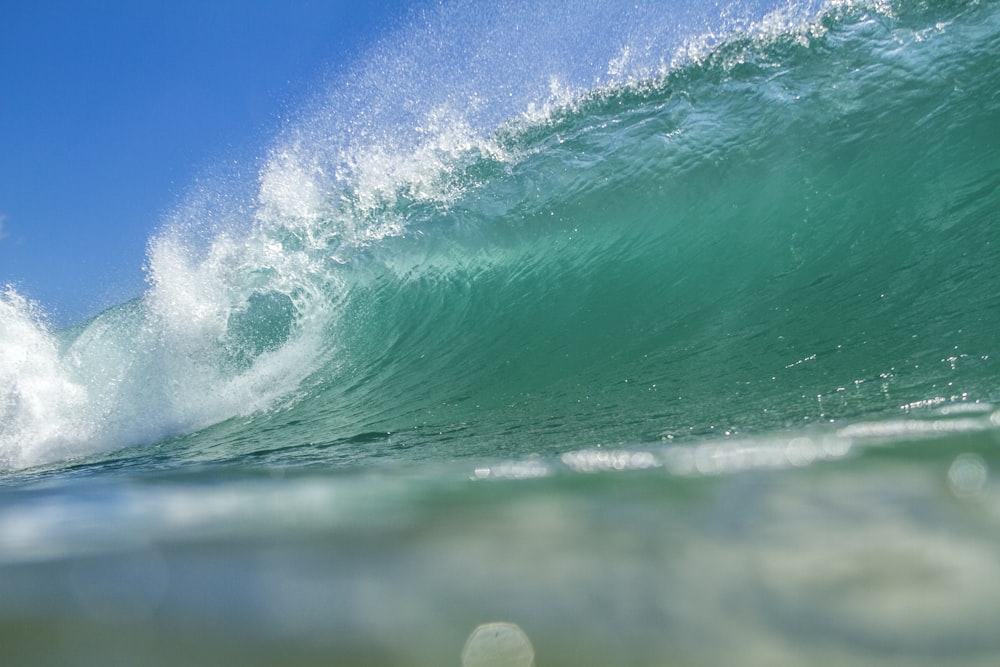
x,y
169,363
40,403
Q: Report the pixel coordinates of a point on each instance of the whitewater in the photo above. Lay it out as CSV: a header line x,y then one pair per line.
x,y
576,334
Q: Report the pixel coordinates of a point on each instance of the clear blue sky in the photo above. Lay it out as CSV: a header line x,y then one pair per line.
x,y
109,109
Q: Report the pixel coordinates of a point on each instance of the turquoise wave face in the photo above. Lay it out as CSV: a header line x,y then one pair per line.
x,y
791,227
793,230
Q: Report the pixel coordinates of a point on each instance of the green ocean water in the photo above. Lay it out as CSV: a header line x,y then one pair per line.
x,y
692,363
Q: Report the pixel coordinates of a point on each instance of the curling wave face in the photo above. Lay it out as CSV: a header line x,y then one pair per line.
x,y
783,222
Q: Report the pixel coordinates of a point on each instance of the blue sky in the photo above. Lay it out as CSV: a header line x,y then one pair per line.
x,y
109,109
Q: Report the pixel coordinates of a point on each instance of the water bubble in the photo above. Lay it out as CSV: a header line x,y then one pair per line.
x,y
967,476
498,645
801,452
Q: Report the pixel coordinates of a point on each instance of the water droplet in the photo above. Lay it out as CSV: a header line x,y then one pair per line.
x,y
498,645
967,476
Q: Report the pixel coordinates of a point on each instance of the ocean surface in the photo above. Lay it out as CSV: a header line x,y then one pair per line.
x,y
585,334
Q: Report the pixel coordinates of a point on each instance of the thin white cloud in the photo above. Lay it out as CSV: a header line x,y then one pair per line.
x,y
3,234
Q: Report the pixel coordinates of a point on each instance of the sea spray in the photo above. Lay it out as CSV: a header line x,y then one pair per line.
x,y
41,407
